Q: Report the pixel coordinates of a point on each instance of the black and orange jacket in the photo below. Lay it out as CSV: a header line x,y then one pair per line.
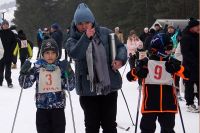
x,y
157,97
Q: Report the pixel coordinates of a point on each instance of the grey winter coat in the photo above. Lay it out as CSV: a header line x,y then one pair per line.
x,y
77,45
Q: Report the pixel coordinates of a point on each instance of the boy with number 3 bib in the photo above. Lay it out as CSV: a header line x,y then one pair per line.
x,y
52,77
159,96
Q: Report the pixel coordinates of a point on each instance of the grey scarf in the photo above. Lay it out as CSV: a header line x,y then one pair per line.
x,y
98,73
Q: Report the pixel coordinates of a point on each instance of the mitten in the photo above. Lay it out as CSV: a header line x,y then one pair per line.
x,y
143,62
66,67
131,75
25,67
141,67
173,65
142,72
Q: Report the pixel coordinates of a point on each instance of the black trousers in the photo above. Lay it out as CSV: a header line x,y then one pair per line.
x,y
22,60
100,111
14,59
38,54
189,91
50,120
166,120
5,65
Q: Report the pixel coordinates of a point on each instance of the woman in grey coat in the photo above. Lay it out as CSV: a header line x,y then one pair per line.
x,y
97,76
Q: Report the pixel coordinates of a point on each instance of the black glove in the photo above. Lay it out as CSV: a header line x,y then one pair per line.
x,y
25,67
66,67
143,62
142,72
173,65
131,77
141,67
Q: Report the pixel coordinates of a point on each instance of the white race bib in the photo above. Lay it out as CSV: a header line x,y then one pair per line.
x,y
24,44
49,81
157,73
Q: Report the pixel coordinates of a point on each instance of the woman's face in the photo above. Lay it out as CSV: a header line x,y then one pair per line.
x,y
134,37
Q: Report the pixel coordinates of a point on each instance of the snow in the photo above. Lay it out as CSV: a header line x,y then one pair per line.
x,y
25,121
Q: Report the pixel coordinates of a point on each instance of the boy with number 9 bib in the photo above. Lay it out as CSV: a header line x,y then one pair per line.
x,y
159,96
52,77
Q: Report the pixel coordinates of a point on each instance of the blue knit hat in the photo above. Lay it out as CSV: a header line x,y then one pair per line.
x,y
160,43
83,14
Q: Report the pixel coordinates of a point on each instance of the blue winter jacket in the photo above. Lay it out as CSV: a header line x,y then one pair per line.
x,y
77,45
52,99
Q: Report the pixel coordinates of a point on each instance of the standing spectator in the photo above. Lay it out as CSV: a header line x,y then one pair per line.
x,y
144,35
190,51
14,60
148,39
46,33
24,47
174,34
57,35
133,44
157,28
119,34
39,41
97,76
9,42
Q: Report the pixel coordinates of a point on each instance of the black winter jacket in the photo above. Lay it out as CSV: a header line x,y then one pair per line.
x,y
9,42
190,51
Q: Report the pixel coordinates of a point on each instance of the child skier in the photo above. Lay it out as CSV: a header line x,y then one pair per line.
x,y
52,78
159,98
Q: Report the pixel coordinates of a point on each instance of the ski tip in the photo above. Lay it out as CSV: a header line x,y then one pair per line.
x,y
128,129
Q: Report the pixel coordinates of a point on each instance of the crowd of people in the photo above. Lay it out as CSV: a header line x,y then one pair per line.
x,y
158,58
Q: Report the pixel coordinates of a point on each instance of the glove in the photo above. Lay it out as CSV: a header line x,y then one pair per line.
x,y
131,75
142,72
173,65
142,63
66,67
141,67
25,67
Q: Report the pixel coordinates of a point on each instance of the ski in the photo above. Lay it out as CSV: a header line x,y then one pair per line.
x,y
123,128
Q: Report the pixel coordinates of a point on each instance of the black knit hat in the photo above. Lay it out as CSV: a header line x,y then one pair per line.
x,y
193,22
49,44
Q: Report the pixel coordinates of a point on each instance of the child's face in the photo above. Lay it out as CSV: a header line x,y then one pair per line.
x,y
50,56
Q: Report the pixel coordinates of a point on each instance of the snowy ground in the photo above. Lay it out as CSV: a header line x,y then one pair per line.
x,y
25,122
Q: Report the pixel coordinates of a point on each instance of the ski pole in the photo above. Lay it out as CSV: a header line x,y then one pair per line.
x,y
70,100
127,107
138,106
179,109
125,68
125,98
13,126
